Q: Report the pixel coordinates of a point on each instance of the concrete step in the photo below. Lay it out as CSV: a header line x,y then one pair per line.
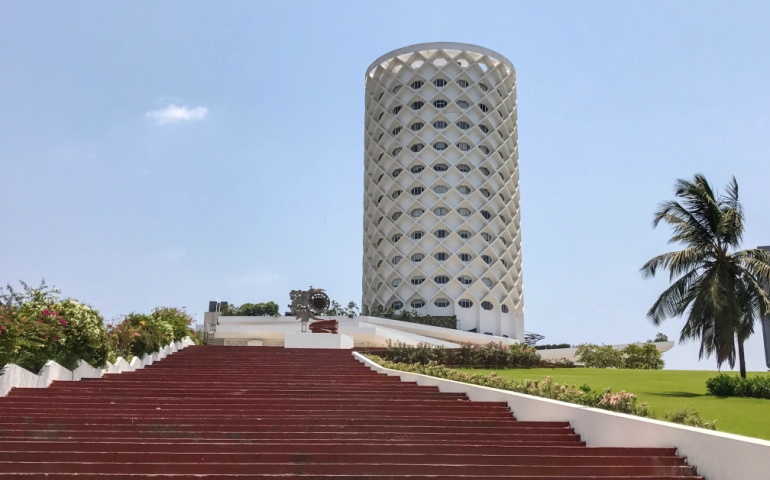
x,y
346,468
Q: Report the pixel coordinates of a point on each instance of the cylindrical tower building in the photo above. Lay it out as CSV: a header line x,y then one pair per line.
x,y
441,197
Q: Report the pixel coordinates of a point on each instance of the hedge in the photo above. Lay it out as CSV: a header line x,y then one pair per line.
x,y
622,401
724,385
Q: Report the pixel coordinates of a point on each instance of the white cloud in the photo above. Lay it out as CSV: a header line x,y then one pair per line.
x,y
177,114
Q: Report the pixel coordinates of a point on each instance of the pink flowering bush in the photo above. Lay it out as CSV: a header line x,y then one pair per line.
x,y
177,318
37,326
138,334
30,339
622,401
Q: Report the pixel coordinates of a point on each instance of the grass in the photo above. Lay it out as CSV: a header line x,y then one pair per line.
x,y
664,390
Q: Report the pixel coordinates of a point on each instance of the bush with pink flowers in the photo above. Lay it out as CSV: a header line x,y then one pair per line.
x,y
37,326
621,401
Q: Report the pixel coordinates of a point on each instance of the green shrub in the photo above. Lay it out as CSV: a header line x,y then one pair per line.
x,y
122,338
523,355
721,386
724,385
594,356
688,416
177,318
493,355
196,336
150,334
642,357
337,310
622,401
29,339
36,326
138,334
553,346
634,356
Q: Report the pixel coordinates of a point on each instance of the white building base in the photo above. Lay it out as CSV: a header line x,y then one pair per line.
x,y
318,340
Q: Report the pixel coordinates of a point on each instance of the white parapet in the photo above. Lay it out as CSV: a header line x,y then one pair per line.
x,y
318,340
14,376
366,331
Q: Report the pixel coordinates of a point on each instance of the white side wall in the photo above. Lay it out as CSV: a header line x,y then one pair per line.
x,y
14,376
718,456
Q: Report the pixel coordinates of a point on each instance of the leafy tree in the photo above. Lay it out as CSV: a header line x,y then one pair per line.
x,y
337,310
594,356
642,357
634,356
721,291
266,309
659,337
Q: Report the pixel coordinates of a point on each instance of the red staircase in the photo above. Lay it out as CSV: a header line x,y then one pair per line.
x,y
214,413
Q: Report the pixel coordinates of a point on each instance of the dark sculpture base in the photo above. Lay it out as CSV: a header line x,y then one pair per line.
x,y
324,326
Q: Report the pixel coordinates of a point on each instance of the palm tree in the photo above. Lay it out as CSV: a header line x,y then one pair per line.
x,y
721,291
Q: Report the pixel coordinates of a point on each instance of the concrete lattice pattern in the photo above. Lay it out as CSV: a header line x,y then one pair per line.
x,y
441,197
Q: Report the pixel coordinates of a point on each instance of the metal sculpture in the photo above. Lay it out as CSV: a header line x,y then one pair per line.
x,y
532,338
306,303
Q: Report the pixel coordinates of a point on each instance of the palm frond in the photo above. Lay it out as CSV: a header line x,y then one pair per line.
x,y
731,225
687,228
674,300
713,317
699,201
677,263
756,261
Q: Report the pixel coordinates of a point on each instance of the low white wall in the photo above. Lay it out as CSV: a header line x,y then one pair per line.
x,y
14,376
318,340
718,456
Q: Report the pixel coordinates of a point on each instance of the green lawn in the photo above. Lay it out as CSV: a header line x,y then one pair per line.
x,y
665,390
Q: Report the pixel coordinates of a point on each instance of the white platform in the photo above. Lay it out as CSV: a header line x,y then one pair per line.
x,y
318,340
364,330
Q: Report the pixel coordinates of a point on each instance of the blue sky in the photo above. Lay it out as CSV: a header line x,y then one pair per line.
x,y
171,153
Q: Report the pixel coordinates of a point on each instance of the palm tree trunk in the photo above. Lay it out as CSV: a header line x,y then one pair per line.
x,y
741,358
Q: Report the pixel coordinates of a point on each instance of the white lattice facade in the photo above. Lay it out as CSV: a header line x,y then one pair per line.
x,y
441,197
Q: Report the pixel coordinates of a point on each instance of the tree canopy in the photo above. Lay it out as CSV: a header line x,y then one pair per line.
x,y
265,309
720,290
